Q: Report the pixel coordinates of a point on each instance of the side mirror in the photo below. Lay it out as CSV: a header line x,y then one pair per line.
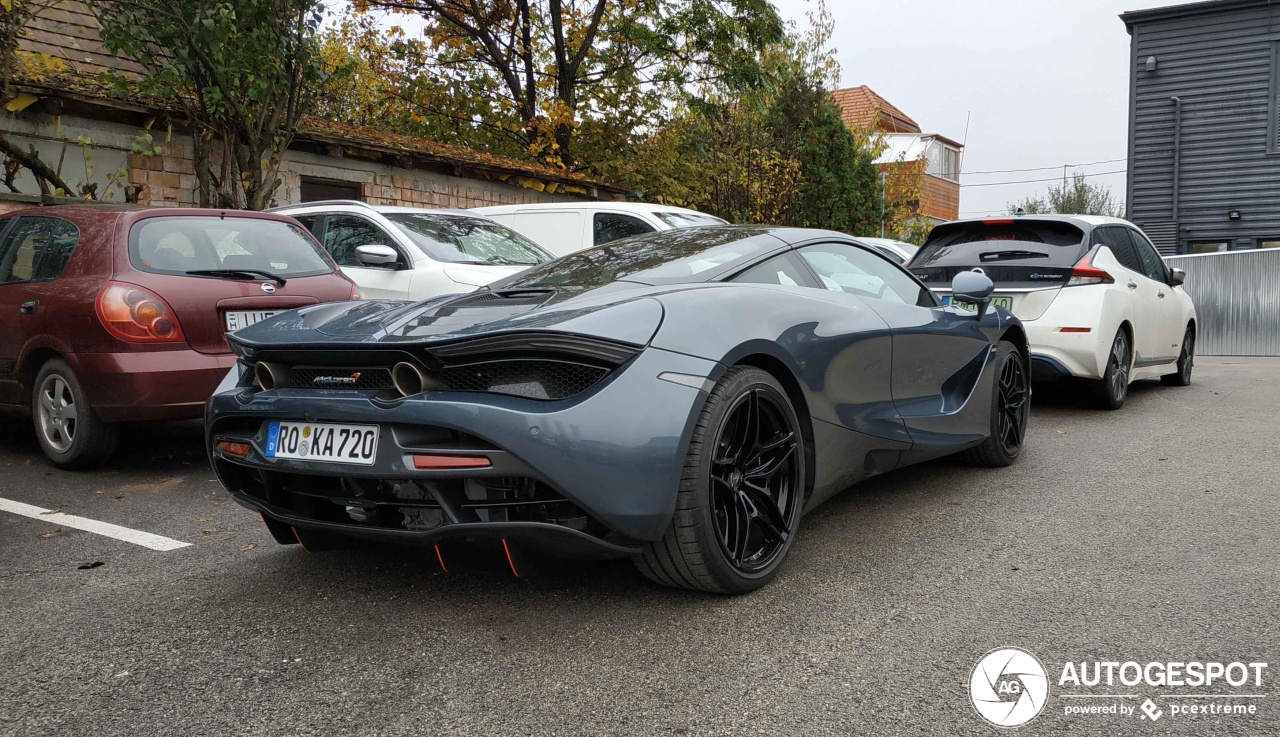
x,y
973,287
378,256
1177,277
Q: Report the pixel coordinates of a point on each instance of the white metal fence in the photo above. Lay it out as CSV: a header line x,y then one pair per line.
x,y
1237,296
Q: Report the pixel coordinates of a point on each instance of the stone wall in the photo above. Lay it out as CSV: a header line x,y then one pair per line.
x,y
168,179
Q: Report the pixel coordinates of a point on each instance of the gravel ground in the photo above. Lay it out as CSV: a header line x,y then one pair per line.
x,y
1148,534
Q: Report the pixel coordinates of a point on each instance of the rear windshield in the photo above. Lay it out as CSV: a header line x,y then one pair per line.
x,y
688,219
177,245
458,238
1021,242
664,257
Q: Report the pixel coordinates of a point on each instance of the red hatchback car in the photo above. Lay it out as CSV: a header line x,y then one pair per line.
x,y
117,314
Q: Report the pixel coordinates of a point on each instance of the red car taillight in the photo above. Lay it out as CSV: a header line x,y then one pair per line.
x,y
137,315
1084,272
355,292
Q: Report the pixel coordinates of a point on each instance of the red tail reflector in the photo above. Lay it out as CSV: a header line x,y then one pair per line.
x,y
440,462
239,450
1084,272
137,315
1075,330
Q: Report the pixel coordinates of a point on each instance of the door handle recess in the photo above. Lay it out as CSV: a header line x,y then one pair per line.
x,y
1133,285
1160,295
29,308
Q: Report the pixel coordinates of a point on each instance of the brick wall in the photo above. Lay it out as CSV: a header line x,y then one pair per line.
x,y
169,179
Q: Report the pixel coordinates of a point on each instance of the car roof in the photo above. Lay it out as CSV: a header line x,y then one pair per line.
x,y
358,205
134,213
1077,220
637,207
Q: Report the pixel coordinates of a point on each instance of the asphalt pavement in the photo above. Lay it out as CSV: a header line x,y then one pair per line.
x,y
1148,534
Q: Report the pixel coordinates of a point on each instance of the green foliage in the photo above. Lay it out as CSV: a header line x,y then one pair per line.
x,y
1077,197
244,73
774,153
570,83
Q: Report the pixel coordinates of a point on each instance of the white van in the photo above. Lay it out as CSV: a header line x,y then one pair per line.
x,y
565,227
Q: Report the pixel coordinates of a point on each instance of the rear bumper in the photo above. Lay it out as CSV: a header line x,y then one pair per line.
x,y
1055,354
152,385
600,470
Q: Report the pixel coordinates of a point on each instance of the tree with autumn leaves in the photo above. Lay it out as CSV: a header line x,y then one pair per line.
x,y
712,104
715,105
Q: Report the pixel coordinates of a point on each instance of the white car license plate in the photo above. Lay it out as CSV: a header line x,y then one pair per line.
x,y
1005,302
315,441
237,319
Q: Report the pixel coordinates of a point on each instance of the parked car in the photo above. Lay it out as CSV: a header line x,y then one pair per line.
x,y
898,251
112,314
415,253
1097,300
565,227
680,398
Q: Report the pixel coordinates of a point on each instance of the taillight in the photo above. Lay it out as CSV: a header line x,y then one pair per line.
x,y
355,293
137,315
1084,272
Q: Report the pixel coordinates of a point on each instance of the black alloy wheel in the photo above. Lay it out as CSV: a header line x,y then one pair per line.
x,y
1010,409
1012,406
754,474
1186,361
741,494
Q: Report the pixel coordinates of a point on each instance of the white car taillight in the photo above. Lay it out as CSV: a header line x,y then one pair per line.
x,y
1084,272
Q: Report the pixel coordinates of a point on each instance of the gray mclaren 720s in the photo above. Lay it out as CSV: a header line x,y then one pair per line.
x,y
681,398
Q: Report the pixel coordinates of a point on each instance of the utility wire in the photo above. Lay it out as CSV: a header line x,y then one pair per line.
x,y
1040,168
1033,181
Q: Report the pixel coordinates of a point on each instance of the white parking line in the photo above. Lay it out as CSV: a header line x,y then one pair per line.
x,y
137,537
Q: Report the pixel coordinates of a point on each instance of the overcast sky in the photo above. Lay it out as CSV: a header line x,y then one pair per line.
x,y
1044,81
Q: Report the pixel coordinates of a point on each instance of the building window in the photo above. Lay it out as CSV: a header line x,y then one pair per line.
x,y
319,190
942,161
1265,243
1210,246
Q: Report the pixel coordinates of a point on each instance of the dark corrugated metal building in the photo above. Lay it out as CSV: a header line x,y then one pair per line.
x,y
1204,144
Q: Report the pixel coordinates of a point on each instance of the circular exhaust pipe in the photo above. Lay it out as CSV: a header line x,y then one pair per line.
x,y
409,379
267,375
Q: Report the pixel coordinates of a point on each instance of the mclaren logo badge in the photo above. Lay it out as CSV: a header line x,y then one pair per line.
x,y
338,380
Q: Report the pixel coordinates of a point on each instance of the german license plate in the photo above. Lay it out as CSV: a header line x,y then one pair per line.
x,y
1005,302
237,319
317,441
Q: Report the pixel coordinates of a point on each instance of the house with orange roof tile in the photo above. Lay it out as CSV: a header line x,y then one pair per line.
x,y
907,145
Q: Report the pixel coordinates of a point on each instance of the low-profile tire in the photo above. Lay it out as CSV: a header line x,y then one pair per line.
x,y
1186,361
320,541
741,493
1110,391
1010,409
280,532
70,434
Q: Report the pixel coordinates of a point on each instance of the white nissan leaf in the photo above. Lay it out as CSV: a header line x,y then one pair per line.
x,y
1097,301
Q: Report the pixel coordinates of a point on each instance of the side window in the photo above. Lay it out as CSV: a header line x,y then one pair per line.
x,y
1121,247
343,234
891,255
781,270
610,226
1152,264
309,222
37,249
845,268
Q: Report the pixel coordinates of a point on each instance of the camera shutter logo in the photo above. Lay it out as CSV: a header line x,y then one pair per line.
x,y
1009,687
